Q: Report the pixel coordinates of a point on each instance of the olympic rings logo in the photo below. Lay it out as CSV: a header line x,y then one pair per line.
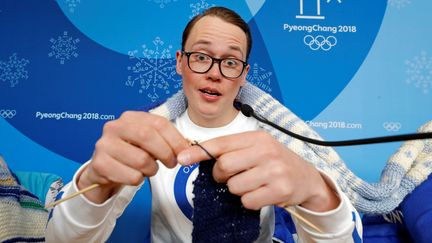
x,y
392,126
320,42
7,113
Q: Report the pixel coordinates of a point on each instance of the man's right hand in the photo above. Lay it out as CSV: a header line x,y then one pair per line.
x,y
127,152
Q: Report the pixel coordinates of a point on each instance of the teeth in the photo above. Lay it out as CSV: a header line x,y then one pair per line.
x,y
209,92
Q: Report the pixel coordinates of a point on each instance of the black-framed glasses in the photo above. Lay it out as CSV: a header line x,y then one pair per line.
x,y
200,62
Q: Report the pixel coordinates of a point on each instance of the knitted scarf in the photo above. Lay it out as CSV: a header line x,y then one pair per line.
x,y
409,166
22,216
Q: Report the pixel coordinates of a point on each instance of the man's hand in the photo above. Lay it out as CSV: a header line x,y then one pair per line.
x,y
127,152
264,172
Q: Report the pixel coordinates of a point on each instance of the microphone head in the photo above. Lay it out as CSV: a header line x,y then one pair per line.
x,y
247,110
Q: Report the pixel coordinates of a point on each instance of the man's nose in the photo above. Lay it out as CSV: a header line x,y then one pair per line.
x,y
214,71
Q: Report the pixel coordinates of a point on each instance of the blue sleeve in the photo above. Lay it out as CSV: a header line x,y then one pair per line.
x,y
38,183
417,211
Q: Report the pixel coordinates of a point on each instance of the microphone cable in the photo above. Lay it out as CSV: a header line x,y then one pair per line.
x,y
248,111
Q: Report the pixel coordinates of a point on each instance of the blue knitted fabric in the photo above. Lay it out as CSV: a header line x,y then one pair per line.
x,y
218,215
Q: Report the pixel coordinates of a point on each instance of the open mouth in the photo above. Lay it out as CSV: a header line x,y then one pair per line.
x,y
210,92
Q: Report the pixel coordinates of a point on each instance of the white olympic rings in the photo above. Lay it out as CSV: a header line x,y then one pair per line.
x,y
320,42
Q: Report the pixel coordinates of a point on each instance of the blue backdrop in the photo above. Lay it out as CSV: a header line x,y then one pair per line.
x,y
348,68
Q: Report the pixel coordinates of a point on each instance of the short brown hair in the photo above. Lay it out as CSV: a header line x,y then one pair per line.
x,y
225,14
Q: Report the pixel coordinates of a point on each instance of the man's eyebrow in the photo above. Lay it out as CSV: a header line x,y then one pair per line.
x,y
201,42
204,42
236,48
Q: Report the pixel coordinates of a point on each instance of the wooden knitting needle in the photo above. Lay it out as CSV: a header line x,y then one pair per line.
x,y
89,188
289,210
300,218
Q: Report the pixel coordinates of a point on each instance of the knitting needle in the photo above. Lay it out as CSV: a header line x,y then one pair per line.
x,y
299,217
292,212
89,188
289,210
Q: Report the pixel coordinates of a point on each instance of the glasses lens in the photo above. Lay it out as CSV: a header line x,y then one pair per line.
x,y
231,68
200,62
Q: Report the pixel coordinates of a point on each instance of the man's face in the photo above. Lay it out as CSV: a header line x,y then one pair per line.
x,y
210,95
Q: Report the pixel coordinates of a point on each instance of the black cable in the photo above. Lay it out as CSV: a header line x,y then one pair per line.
x,y
248,111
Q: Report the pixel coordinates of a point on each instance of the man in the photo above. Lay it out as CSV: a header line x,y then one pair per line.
x,y
252,163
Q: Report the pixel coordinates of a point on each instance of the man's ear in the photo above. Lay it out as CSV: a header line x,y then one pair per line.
x,y
179,59
245,73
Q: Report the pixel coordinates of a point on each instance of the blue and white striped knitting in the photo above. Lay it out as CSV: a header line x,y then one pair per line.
x,y
404,171
23,218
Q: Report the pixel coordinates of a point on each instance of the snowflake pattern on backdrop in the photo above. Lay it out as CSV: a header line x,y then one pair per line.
x,y
399,3
64,47
14,70
199,7
420,72
260,78
162,3
72,4
155,72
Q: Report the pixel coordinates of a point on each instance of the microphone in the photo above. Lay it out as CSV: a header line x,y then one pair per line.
x,y
248,111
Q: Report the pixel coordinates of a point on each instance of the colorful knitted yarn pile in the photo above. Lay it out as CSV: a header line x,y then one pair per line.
x,y
22,216
218,215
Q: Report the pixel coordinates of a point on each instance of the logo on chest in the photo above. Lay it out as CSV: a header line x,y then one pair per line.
x,y
183,187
